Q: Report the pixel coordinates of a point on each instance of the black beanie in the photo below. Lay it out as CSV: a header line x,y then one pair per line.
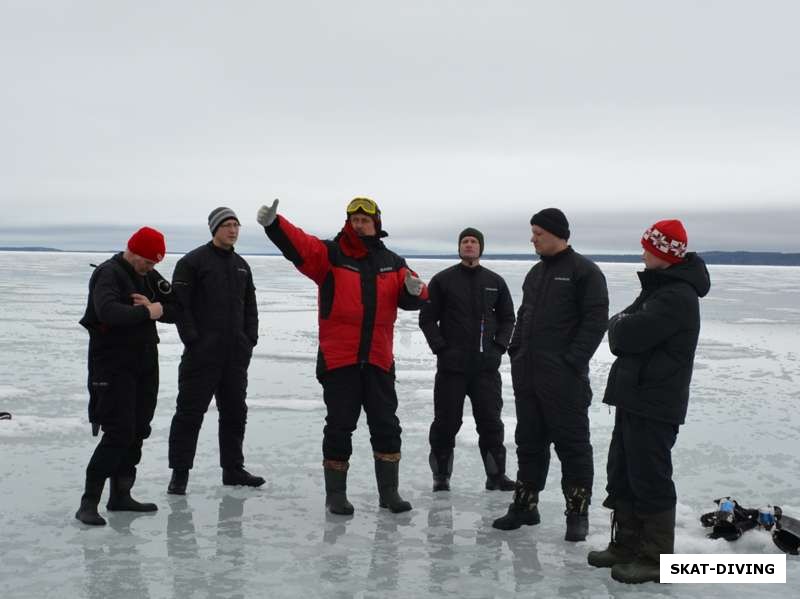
x,y
471,232
552,220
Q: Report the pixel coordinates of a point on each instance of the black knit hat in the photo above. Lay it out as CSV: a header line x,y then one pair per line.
x,y
471,232
552,220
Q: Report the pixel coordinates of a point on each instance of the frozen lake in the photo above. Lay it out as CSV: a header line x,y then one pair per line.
x,y
741,439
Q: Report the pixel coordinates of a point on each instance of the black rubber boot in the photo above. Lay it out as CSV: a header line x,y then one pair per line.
x,y
119,497
87,512
523,510
442,468
387,474
494,462
577,513
240,477
336,488
625,539
178,482
658,536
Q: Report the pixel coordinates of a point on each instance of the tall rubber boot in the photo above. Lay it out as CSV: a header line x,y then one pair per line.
x,y
387,474
523,510
494,462
336,487
442,469
119,497
577,513
658,536
87,512
625,538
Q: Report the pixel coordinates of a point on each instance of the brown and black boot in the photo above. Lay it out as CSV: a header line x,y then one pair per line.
x,y
387,475
523,510
336,487
577,512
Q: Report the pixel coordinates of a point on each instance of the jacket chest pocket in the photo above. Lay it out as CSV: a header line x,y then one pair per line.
x,y
489,299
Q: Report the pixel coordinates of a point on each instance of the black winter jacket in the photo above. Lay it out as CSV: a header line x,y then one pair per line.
x,y
218,300
111,318
564,312
655,339
468,318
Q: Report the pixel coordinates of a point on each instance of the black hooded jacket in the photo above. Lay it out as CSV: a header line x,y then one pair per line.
x,y
111,318
218,299
655,339
468,318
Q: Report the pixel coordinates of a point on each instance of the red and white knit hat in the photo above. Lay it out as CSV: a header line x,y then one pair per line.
x,y
666,239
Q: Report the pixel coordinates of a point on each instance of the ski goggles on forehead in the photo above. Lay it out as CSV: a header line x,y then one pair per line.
x,y
365,205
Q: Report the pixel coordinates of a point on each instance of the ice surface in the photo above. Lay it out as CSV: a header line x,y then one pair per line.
x,y
741,438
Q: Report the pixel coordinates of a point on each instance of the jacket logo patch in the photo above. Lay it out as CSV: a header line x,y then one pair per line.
x,y
244,270
491,288
567,279
387,268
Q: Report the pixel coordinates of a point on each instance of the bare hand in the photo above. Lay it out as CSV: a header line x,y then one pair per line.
x,y
139,299
156,310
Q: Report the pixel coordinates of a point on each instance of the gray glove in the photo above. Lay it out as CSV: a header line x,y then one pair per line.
x,y
414,284
266,214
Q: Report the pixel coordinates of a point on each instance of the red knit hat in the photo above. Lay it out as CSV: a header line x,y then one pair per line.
x,y
148,243
666,239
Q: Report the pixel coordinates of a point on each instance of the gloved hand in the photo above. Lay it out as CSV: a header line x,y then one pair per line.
x,y
413,284
266,214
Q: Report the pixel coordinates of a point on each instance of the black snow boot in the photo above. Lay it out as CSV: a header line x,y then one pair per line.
x,y
240,476
178,482
658,536
625,537
494,462
442,468
577,513
87,512
523,510
387,474
119,497
336,487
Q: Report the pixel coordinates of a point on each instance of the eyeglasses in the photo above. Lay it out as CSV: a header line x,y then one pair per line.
x,y
365,205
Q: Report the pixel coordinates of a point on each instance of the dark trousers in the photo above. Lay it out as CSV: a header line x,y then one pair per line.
x,y
345,391
640,463
123,386
552,405
484,389
200,379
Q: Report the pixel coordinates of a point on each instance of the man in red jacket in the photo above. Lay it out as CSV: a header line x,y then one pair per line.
x,y
361,286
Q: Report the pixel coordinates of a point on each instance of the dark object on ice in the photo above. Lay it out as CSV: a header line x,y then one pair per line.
x,y
657,538
336,487
5,415
387,475
787,534
442,467
577,513
730,521
626,537
178,482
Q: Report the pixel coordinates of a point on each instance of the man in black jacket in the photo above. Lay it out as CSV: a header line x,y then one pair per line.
x,y
654,340
219,328
126,297
468,322
560,323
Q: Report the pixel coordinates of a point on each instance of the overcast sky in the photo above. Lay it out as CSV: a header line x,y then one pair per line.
x,y
448,113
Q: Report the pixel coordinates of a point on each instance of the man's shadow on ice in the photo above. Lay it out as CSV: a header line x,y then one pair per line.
x,y
220,575
114,569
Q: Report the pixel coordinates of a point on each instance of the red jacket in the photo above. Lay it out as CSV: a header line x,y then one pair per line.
x,y
361,285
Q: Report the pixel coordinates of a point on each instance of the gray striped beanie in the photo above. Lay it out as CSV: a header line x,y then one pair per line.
x,y
219,216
